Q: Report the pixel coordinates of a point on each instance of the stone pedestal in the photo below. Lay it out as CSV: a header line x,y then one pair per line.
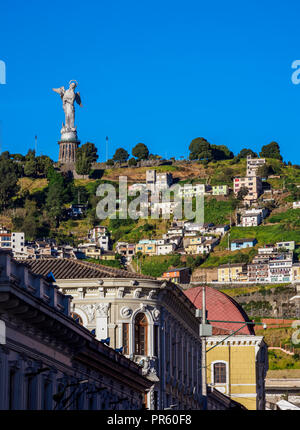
x,y
68,145
67,151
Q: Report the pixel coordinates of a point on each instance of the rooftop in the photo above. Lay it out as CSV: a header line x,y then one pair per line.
x,y
243,240
177,270
65,268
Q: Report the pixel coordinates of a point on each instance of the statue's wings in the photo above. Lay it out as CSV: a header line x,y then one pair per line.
x,y
78,99
59,91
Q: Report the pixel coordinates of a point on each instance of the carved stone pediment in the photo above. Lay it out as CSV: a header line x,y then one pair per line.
x,y
89,310
102,309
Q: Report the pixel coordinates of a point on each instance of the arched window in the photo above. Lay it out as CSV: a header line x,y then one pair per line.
x,y
77,318
220,373
140,334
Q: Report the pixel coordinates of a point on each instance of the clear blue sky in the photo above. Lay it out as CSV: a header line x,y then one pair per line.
x,y
158,72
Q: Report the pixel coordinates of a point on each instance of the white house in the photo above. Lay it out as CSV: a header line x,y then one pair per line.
x,y
221,229
253,217
165,249
190,190
15,241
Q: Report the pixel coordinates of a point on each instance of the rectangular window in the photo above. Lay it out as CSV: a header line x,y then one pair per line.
x,y
126,339
220,373
140,335
156,340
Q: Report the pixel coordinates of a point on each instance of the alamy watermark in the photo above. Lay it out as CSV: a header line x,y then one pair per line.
x,y
150,203
2,73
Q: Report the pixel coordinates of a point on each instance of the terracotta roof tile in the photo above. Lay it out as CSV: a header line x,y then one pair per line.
x,y
66,268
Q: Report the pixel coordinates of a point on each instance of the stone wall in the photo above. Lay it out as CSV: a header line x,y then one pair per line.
x,y
273,303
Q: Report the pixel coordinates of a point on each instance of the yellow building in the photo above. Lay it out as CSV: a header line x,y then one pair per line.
x,y
93,253
220,190
237,368
191,249
146,248
108,256
236,365
196,240
232,272
296,272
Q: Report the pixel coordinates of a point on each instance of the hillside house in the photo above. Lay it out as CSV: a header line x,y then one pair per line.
x,y
237,244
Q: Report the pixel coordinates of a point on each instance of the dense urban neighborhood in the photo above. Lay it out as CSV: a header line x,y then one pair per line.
x,y
134,286
149,212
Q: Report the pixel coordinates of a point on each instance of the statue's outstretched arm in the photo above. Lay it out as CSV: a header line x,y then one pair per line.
x,y
60,91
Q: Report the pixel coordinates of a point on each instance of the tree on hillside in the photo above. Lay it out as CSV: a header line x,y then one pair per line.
x,y
18,157
90,151
5,155
294,190
221,152
110,162
8,181
121,155
54,204
30,155
272,150
264,171
200,149
60,190
132,162
83,164
244,154
140,151
226,175
30,168
30,221
243,192
44,163
80,195
85,156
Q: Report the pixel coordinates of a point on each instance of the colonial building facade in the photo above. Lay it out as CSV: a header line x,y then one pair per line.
x,y
47,360
152,321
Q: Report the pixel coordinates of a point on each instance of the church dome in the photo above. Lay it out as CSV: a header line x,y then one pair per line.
x,y
219,306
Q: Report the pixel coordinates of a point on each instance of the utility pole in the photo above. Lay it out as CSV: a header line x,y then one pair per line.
x,y
106,141
203,347
205,330
35,144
